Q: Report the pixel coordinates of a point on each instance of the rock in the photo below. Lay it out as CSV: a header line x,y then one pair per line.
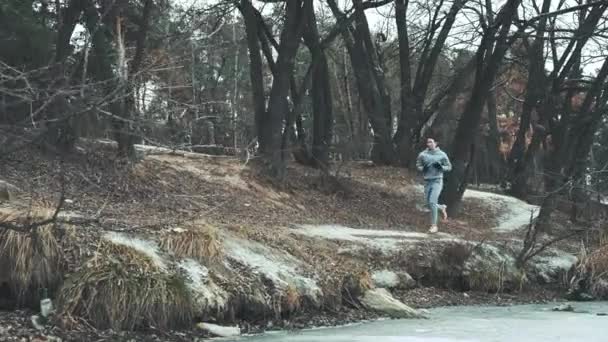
x,y
380,300
386,279
586,297
424,312
218,330
209,296
564,308
552,267
602,314
7,191
407,282
37,322
391,280
47,338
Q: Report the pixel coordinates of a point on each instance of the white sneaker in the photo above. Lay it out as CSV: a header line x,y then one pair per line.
x,y
444,212
433,229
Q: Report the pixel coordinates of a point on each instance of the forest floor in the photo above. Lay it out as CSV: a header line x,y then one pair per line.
x,y
167,190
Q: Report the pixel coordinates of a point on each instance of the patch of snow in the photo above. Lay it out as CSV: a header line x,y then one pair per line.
x,y
515,212
563,261
206,293
549,267
387,241
382,301
280,267
218,330
488,257
385,279
148,248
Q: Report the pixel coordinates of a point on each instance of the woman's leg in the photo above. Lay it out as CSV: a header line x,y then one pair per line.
x,y
433,197
442,207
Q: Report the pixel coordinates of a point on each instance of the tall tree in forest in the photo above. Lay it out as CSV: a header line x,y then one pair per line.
x,y
492,48
270,122
109,66
369,77
126,130
321,90
572,140
61,132
414,90
544,93
518,163
252,29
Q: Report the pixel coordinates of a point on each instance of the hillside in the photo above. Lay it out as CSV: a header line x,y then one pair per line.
x,y
243,250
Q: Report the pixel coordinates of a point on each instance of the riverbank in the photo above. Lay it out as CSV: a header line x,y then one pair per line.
x,y
16,325
230,247
525,323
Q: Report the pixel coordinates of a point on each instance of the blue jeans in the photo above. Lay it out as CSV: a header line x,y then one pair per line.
x,y
432,190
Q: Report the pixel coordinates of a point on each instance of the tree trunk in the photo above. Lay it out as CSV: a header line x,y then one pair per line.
x,y
489,57
321,92
413,96
255,67
495,161
61,131
278,106
123,122
572,136
127,127
534,94
101,60
68,20
370,85
408,115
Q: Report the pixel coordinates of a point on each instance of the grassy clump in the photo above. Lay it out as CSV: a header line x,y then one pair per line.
x,y
31,259
123,289
354,286
199,242
487,278
291,301
597,266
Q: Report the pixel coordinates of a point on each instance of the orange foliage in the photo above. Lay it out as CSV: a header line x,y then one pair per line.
x,y
507,128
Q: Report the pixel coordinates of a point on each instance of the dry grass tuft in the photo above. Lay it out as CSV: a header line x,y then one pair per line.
x,y
598,261
123,289
487,279
26,215
200,242
354,285
597,265
29,260
365,281
292,301
591,274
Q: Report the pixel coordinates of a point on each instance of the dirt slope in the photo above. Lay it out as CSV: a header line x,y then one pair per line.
x,y
254,217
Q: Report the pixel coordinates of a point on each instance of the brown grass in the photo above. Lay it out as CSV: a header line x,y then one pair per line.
x,y
292,300
365,281
30,260
199,242
123,289
489,279
597,264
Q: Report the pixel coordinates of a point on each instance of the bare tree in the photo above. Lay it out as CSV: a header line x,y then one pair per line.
x,y
414,90
492,48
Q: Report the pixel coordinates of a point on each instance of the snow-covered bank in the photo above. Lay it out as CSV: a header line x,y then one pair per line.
x,y
513,212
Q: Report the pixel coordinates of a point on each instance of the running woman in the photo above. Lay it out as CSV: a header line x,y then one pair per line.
x,y
433,162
